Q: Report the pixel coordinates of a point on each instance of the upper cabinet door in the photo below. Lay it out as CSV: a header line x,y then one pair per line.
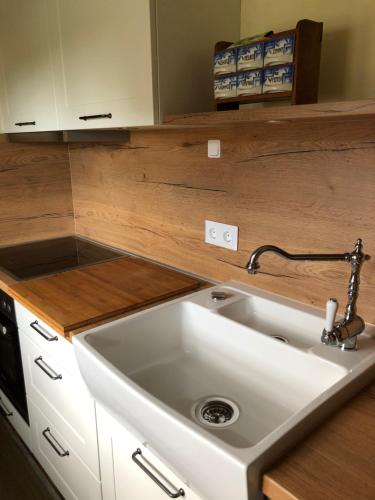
x,y
27,80
104,52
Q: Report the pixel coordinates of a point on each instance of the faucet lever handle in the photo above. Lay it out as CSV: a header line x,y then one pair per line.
x,y
331,310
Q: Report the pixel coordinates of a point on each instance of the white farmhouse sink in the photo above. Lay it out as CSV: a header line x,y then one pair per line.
x,y
163,370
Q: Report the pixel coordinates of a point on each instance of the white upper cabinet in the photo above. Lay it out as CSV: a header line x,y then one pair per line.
x,y
104,52
27,80
109,63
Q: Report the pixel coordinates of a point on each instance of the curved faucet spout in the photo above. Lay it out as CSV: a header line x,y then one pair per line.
x,y
253,264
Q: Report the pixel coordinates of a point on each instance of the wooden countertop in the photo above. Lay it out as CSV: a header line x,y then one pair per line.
x,y
78,298
336,462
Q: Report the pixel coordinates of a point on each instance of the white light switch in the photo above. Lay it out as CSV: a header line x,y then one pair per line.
x,y
213,149
221,235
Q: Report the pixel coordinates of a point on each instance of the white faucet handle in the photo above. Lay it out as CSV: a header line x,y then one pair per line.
x,y
331,310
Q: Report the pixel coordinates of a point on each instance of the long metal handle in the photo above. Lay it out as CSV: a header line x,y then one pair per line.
x,y
52,440
23,124
47,369
253,264
95,117
47,337
179,493
7,413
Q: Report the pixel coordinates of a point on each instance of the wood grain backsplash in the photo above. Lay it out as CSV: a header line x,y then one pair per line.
x,y
35,192
305,186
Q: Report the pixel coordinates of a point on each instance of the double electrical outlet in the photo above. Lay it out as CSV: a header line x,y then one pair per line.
x,y
221,235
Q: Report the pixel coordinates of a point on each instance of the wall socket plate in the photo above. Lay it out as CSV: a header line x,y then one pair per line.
x,y
221,235
213,148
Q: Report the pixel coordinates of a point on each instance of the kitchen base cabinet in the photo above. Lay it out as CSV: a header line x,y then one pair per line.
x,y
15,419
64,400
63,433
129,470
86,453
64,467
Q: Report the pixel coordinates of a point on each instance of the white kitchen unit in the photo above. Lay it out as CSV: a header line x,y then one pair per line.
x,y
109,63
62,412
130,471
27,75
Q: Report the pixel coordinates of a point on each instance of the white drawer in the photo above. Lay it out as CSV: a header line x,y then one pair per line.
x,y
124,462
45,336
64,399
64,467
18,423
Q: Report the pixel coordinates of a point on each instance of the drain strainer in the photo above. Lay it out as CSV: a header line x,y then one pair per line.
x,y
280,338
216,411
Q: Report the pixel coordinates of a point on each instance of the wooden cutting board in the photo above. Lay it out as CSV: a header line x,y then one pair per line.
x,y
80,297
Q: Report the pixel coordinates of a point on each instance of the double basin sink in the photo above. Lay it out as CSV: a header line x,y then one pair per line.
x,y
221,389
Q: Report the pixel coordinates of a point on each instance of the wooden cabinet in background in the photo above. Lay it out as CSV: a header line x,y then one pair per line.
x,y
305,66
27,79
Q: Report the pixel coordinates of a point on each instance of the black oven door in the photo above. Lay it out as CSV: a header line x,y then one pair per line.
x,y
11,372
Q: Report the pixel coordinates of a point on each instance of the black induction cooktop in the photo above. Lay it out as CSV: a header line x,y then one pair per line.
x,y
52,256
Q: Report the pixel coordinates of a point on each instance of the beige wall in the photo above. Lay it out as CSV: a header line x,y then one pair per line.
x,y
348,51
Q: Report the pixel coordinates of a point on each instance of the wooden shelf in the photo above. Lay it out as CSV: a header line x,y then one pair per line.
x,y
306,64
247,99
327,111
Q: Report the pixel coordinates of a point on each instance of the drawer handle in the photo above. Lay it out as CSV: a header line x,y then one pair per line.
x,y
5,410
22,124
179,493
95,117
54,443
47,369
44,335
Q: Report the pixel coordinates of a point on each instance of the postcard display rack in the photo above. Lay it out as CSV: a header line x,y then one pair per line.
x,y
284,65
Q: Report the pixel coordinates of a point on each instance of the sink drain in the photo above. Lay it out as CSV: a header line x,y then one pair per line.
x,y
216,412
280,338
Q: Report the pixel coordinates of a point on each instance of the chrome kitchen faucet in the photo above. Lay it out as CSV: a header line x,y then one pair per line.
x,y
342,333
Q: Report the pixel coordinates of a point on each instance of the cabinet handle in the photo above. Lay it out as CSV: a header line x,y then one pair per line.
x,y
22,124
95,117
7,413
47,369
179,493
54,443
45,336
